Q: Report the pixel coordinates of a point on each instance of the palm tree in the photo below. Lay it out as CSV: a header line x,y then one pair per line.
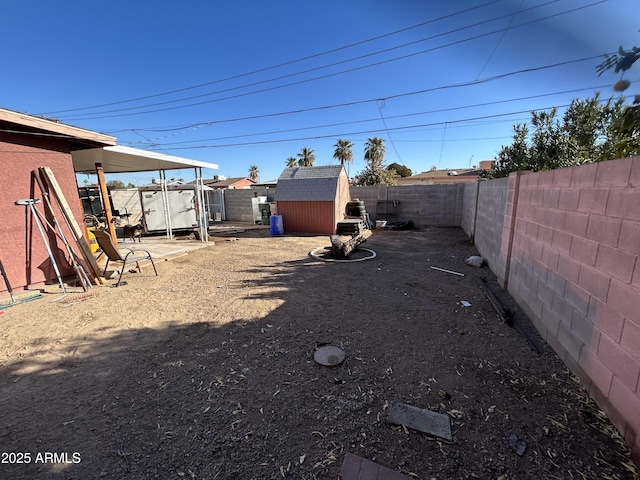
x,y
306,157
292,162
343,152
375,173
374,151
254,174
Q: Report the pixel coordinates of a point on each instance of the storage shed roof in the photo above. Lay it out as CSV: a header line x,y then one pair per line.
x,y
309,183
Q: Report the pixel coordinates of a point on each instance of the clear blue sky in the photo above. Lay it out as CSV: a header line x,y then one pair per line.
x,y
252,82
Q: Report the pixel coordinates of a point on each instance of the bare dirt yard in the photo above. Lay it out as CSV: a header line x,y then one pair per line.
x,y
207,372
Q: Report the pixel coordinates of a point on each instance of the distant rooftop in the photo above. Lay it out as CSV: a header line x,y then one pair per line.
x,y
227,182
446,176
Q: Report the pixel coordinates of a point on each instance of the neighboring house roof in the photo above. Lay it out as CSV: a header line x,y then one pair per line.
x,y
268,183
229,182
309,183
447,176
78,138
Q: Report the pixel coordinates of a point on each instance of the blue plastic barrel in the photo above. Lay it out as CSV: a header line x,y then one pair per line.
x,y
276,226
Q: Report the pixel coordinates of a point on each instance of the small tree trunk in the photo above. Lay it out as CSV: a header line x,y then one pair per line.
x,y
342,249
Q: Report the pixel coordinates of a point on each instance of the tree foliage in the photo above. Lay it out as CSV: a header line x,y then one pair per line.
x,y
116,185
400,170
375,173
254,173
589,131
292,162
306,157
622,61
343,151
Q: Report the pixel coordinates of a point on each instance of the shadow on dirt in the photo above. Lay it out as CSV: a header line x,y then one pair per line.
x,y
245,400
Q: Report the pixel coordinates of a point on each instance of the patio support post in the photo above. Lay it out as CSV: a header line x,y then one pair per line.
x,y
202,208
106,203
165,203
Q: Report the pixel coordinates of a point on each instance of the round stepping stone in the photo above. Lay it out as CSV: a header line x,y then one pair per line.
x,y
329,356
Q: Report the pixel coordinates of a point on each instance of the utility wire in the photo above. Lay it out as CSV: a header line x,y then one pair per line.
x,y
153,142
366,132
475,82
284,64
190,128
382,104
504,32
99,115
399,95
446,123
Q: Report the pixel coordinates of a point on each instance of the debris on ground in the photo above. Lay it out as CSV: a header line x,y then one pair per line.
x,y
425,421
358,468
517,444
447,271
474,261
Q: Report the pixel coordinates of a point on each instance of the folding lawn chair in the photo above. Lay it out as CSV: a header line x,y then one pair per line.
x,y
113,254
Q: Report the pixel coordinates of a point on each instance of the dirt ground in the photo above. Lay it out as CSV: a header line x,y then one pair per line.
x,y
207,371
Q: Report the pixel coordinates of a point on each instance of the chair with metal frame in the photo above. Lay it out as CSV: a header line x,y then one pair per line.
x,y
113,254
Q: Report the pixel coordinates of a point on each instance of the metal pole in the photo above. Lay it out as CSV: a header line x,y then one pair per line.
x,y
31,203
165,203
7,283
83,277
204,233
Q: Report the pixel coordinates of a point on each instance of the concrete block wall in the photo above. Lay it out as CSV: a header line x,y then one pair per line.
x,y
469,202
237,202
489,222
426,205
370,196
572,241
128,201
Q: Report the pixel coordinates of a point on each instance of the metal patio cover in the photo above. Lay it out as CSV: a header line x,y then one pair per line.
x,y
120,159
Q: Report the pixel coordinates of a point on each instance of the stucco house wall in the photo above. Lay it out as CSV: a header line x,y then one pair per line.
x,y
22,248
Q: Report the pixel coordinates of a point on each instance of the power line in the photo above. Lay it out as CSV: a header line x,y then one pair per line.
x,y
388,133
284,64
153,142
405,94
363,132
338,124
443,87
99,115
504,32
446,123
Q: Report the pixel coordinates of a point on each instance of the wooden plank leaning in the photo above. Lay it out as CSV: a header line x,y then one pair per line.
x,y
81,273
94,270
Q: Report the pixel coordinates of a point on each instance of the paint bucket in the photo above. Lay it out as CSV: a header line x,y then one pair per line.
x,y
276,225
381,223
